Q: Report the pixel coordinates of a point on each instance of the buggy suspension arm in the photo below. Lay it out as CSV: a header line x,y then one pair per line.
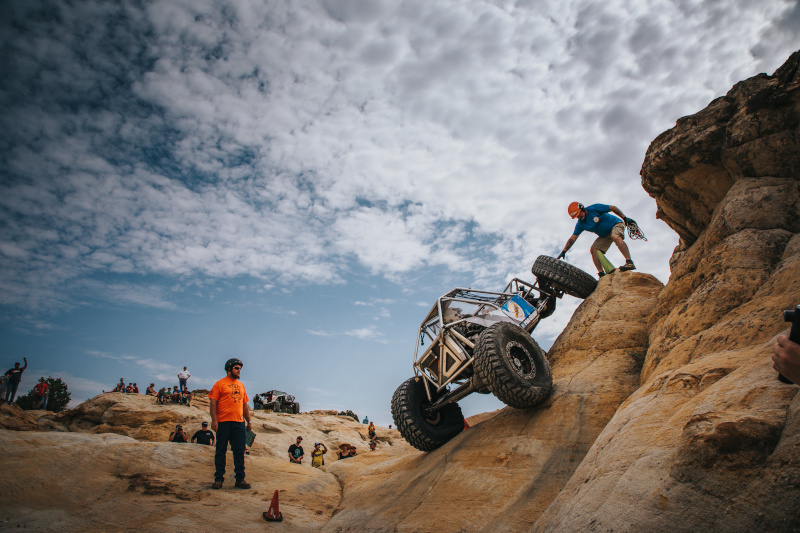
x,y
462,391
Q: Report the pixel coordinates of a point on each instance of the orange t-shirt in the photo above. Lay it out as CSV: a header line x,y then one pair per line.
x,y
231,397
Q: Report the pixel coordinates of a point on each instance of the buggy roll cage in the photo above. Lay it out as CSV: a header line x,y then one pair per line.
x,y
452,335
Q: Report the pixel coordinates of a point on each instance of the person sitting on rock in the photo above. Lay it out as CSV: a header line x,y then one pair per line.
x,y
349,452
151,390
317,456
371,430
120,386
176,395
186,397
296,451
167,395
373,444
135,389
178,435
129,388
204,435
598,218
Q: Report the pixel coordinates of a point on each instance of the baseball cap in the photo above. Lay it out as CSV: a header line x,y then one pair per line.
x,y
205,423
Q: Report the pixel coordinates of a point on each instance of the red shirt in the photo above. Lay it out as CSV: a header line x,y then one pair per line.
x,y
231,397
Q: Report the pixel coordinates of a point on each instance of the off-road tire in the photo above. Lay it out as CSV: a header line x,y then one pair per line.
x,y
514,367
563,276
423,434
296,408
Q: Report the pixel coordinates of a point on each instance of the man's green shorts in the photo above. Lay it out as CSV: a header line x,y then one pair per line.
x,y
604,243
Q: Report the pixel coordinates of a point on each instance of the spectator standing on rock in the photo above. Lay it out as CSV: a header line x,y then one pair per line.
x,y
296,451
229,409
41,390
598,218
178,435
203,436
14,375
317,456
183,377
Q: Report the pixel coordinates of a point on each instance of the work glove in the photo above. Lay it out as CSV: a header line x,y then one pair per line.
x,y
562,255
629,221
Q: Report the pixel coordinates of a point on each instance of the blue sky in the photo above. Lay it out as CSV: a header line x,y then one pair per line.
x,y
295,182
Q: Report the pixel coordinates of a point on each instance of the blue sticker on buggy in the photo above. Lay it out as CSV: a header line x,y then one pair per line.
x,y
517,308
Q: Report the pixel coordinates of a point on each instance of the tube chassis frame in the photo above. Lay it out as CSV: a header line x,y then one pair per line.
x,y
449,358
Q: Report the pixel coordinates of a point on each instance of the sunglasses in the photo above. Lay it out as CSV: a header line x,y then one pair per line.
x,y
237,368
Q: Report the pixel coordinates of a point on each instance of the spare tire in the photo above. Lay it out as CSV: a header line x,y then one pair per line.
x,y
513,366
563,276
423,432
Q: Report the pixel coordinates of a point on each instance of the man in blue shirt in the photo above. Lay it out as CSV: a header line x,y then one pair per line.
x,y
598,219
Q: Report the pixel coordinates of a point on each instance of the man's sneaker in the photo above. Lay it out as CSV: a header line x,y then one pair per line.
x,y
242,484
217,484
628,266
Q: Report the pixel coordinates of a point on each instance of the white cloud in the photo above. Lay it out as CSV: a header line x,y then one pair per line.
x,y
367,333
285,141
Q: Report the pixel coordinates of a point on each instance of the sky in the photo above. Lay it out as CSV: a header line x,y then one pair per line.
x,y
294,183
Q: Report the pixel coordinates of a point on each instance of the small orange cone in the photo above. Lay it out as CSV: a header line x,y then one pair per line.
x,y
273,514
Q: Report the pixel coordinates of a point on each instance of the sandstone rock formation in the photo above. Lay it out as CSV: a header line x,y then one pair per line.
x,y
14,418
710,439
90,475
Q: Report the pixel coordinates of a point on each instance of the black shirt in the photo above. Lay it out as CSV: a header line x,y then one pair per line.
x,y
14,375
203,436
296,450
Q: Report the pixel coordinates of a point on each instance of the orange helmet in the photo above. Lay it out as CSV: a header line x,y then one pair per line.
x,y
575,209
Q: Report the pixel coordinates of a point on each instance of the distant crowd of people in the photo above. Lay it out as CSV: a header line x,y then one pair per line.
x,y
179,394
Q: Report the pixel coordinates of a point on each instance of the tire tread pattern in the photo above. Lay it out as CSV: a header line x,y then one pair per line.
x,y
504,383
413,426
563,276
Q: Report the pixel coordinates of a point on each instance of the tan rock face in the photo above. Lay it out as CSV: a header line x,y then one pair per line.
x,y
502,473
14,418
710,438
96,478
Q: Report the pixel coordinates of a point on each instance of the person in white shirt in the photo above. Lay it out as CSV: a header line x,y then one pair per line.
x,y
183,377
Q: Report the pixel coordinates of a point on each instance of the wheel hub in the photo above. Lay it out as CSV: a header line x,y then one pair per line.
x,y
520,360
432,418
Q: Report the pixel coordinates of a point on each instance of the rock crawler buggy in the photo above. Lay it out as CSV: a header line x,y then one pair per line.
x,y
480,341
277,401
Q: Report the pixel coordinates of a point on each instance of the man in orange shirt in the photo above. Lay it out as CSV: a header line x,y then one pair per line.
x,y
229,409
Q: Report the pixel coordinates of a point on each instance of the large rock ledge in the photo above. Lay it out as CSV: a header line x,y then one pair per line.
x,y
709,440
